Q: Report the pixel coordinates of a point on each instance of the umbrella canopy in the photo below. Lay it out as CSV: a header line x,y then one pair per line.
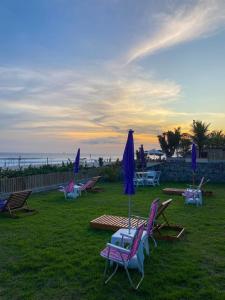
x,y
193,157
77,161
142,156
128,165
128,168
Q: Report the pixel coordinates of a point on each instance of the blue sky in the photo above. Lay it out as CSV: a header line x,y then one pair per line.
x,y
81,73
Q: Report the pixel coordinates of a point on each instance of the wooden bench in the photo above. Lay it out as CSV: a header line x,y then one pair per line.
x,y
174,191
108,222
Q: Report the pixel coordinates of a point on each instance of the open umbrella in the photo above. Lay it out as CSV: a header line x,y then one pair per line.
x,y
193,161
142,156
128,167
76,162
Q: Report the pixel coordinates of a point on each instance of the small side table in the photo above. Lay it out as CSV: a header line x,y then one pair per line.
x,y
117,239
76,192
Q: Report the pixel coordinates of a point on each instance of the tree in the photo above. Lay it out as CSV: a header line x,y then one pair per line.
x,y
169,141
216,139
139,159
200,135
185,144
100,161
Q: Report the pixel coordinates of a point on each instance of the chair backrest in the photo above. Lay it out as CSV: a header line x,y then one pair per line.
x,y
152,216
90,183
158,173
151,174
136,241
70,187
162,207
17,200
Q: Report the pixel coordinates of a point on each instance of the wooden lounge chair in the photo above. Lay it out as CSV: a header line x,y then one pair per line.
x,y
89,186
159,229
174,191
17,201
108,222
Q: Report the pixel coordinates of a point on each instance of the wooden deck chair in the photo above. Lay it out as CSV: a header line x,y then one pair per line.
x,y
17,201
159,228
89,186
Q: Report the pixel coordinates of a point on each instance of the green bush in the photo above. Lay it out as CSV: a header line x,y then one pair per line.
x,y
31,170
111,173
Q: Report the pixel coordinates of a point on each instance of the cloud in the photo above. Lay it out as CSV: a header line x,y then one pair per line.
x,y
92,107
82,99
185,23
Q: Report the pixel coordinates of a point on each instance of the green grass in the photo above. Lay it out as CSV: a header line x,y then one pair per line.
x,y
55,254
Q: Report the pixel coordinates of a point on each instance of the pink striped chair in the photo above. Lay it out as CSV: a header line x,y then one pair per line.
x,y
123,257
150,221
68,190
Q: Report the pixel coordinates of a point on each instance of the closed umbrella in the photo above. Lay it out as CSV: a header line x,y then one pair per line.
x,y
76,162
193,161
128,167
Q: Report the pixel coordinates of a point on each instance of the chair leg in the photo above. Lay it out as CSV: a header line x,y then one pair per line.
x,y
155,243
130,279
105,272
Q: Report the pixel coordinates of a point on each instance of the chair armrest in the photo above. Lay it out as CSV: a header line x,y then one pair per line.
x,y
118,248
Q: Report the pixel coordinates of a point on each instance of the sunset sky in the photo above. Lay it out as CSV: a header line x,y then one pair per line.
x,y
81,73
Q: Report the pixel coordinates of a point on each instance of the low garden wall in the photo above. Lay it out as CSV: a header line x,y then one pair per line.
x,y
180,171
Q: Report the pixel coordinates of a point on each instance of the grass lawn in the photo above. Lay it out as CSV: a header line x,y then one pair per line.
x,y
55,254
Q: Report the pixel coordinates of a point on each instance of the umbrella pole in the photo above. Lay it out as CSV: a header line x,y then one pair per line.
x,y
129,214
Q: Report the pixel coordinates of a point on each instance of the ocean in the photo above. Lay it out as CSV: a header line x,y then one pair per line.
x,y
17,160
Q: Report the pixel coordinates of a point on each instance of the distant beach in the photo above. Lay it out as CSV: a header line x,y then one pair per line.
x,y
17,160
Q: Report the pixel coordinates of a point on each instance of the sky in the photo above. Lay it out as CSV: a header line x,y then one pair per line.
x,y
81,73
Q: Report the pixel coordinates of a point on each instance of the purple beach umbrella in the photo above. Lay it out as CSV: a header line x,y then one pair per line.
x,y
77,161
128,168
193,161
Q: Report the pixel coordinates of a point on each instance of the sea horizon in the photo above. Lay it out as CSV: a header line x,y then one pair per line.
x,y
25,159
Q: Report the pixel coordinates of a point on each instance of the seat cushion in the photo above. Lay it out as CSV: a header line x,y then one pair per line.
x,y
114,254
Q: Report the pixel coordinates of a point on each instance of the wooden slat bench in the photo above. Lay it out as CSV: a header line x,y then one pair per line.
x,y
108,222
174,191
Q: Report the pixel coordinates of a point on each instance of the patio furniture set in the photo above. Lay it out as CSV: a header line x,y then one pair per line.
x,y
72,190
147,178
137,238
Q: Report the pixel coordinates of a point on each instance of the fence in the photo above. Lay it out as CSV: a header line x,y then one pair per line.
x,y
40,182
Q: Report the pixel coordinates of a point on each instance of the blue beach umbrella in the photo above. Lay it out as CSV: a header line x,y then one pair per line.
x,y
76,162
193,161
128,168
142,156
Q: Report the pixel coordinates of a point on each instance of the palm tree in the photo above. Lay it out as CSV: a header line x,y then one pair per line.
x,y
216,139
185,144
169,141
200,136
